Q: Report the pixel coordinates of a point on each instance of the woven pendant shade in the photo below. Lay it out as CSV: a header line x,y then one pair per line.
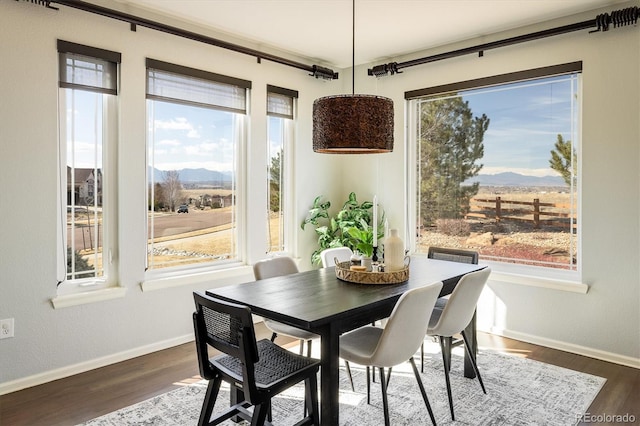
x,y
353,124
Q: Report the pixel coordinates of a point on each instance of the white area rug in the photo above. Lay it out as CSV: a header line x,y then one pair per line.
x,y
519,392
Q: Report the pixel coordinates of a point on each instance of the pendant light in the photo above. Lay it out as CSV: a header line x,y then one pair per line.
x,y
353,124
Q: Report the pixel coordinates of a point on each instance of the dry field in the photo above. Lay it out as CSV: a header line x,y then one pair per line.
x,y
548,245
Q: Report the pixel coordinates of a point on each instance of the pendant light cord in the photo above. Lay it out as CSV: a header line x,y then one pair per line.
x,y
353,48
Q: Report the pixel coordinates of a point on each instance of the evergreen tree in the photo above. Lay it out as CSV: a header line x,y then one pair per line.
x,y
450,145
274,182
563,160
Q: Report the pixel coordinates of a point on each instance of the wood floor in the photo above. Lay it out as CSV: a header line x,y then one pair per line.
x,y
84,396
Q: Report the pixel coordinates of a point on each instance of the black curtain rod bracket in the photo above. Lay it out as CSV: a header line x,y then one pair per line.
x,y
602,22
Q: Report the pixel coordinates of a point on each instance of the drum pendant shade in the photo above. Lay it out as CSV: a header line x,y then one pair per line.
x,y
353,124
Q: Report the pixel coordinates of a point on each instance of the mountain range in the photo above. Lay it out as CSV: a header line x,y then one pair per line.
x,y
516,179
499,179
196,176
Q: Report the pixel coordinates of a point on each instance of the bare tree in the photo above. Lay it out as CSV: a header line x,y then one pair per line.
x,y
172,187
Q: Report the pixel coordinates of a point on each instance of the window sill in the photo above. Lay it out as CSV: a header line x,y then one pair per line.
x,y
562,280
188,279
86,297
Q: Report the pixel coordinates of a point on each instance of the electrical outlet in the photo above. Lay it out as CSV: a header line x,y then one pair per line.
x,y
6,328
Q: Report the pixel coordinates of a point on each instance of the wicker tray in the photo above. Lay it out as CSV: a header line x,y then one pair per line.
x,y
394,277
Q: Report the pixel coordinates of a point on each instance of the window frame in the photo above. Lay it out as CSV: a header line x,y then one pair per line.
x,y
538,276
108,283
287,119
164,277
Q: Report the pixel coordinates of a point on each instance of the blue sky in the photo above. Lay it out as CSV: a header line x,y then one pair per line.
x,y
191,137
525,121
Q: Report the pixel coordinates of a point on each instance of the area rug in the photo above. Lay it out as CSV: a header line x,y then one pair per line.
x,y
520,391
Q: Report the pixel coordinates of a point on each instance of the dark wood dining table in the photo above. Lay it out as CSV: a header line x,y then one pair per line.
x,y
318,301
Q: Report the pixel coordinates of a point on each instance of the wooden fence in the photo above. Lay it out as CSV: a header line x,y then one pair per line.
x,y
559,214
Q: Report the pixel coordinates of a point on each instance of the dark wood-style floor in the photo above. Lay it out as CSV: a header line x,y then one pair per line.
x,y
84,396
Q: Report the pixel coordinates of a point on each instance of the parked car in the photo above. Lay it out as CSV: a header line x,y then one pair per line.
x,y
183,208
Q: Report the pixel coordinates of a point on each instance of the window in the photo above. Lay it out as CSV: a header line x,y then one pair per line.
x,y
495,167
88,81
280,108
194,147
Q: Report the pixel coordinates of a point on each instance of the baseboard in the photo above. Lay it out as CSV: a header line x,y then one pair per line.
x,y
568,347
60,373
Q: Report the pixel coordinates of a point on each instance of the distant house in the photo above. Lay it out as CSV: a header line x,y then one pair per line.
x,y
83,186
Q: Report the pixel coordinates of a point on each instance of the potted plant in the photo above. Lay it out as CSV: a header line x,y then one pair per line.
x,y
342,229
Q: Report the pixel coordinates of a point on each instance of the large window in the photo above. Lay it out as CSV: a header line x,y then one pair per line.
x,y
495,167
280,112
194,149
88,80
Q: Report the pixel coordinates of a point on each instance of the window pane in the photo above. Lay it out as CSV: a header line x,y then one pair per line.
x,y
497,172
192,184
84,177
275,183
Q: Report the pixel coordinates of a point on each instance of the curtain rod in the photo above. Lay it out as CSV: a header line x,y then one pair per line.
x,y
618,18
315,70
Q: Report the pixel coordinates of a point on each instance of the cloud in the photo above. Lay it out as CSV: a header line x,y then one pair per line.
x,y
178,123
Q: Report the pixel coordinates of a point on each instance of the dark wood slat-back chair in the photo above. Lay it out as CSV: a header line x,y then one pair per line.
x,y
451,255
255,370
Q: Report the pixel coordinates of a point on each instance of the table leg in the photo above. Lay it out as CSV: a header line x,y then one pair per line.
x,y
470,332
329,377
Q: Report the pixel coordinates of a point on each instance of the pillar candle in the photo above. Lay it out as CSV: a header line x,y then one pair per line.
x,y
375,221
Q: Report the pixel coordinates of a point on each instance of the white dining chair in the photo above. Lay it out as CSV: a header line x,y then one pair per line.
x,y
397,342
450,255
454,317
275,267
329,256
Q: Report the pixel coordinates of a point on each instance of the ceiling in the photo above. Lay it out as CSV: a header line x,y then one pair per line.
x,y
321,30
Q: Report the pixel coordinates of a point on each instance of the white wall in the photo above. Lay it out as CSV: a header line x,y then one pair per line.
x,y
51,343
605,322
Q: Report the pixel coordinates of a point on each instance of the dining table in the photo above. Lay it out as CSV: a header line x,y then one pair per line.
x,y
318,301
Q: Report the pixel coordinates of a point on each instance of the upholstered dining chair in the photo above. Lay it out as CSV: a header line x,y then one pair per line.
x,y
397,342
329,256
454,318
275,267
451,255
257,370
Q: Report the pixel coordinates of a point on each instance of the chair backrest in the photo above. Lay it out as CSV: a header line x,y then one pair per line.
x,y
458,311
453,255
274,267
227,327
329,256
406,326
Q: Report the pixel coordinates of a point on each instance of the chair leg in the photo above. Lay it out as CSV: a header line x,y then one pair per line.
x,y
447,365
388,376
311,399
385,402
209,401
368,386
422,357
304,412
422,391
301,347
448,344
260,414
472,357
273,336
346,364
